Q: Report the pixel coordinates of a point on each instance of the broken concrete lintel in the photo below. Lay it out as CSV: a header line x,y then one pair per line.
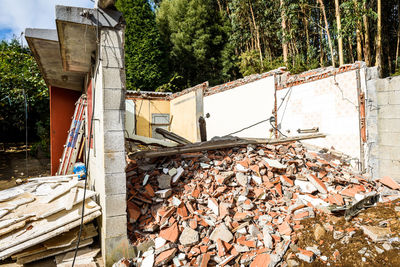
x,y
88,16
150,141
172,136
212,145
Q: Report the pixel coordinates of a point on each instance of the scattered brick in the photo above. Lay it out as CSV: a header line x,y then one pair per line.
x,y
241,206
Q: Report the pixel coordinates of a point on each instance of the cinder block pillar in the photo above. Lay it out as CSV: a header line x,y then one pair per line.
x,y
108,173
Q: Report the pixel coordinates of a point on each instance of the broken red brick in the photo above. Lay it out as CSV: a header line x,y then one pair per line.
x,y
171,233
205,259
389,182
261,260
317,183
149,189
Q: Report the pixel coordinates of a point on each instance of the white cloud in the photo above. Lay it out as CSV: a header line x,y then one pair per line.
x,y
20,14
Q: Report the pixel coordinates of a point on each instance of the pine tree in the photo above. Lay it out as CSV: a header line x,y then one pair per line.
x,y
145,57
194,32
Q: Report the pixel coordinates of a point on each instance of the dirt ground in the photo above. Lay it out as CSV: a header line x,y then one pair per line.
x,y
359,250
13,165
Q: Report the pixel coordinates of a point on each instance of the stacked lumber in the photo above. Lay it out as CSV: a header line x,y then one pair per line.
x,y
41,218
240,206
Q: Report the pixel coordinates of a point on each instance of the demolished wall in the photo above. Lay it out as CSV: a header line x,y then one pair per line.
x,y
234,109
330,104
186,108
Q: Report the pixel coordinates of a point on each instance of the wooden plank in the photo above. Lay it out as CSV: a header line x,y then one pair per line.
x,y
55,177
213,145
86,253
52,252
79,263
48,224
88,231
60,191
6,207
20,245
71,198
64,240
40,210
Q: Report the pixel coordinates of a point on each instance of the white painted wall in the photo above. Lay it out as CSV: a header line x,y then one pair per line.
x,y
330,104
96,165
129,117
240,107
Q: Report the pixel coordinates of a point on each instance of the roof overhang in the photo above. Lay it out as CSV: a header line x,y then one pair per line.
x,y
46,50
78,34
66,55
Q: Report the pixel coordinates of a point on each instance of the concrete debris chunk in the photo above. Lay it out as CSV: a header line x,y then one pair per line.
x,y
189,237
376,233
178,174
305,187
221,232
148,261
241,179
274,163
164,181
306,255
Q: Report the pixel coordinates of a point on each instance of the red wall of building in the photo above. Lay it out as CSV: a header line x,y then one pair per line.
x,y
62,107
89,94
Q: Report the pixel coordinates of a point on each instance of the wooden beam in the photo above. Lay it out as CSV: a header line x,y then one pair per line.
x,y
219,144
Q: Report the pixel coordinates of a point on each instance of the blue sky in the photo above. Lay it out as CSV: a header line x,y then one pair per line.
x,y
16,15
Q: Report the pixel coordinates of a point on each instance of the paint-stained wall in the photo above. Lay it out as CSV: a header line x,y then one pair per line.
x,y
330,104
144,108
237,108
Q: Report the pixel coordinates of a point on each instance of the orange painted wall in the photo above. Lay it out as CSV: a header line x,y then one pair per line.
x,y
62,107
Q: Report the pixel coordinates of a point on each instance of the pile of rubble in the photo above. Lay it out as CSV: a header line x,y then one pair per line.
x,y
244,205
42,218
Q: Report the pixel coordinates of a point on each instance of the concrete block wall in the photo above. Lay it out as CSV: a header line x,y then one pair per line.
x,y
388,126
371,112
107,167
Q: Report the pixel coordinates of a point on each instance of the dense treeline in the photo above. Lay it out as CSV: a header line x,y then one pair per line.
x,y
20,78
174,44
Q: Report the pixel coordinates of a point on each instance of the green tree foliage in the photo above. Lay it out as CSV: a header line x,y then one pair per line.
x,y
195,36
145,60
19,72
222,40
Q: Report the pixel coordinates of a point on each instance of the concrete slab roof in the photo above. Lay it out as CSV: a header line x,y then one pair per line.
x,y
77,33
65,55
46,50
